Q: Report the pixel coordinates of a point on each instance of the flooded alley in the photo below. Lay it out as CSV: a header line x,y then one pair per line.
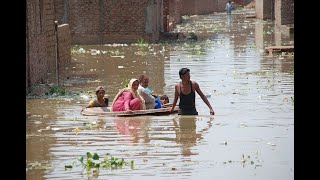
x,y
250,137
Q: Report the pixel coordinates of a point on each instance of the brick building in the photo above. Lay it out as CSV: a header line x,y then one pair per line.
x,y
114,21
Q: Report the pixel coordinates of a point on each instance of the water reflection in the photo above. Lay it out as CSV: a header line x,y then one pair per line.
x,y
186,132
134,129
229,20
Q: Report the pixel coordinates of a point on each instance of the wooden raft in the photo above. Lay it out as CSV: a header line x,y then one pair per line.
x,y
105,111
271,49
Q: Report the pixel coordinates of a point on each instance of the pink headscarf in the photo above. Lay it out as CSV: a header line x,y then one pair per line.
x,y
135,93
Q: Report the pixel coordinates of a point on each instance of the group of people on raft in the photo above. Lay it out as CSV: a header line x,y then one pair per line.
x,y
137,96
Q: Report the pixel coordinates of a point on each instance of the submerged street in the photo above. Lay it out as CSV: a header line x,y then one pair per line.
x,y
249,137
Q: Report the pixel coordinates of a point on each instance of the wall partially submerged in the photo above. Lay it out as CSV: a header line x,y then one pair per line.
x,y
284,12
41,41
114,21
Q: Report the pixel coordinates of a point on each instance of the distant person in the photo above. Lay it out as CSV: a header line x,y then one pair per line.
x,y
185,90
128,98
151,99
229,7
100,101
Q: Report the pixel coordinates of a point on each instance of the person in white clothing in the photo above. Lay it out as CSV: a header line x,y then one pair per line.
x,y
150,100
229,7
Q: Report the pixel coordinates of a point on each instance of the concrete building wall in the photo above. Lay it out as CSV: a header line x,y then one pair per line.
x,y
265,9
246,2
259,9
284,12
177,11
64,44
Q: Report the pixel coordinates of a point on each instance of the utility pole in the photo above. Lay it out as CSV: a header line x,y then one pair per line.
x,y
57,51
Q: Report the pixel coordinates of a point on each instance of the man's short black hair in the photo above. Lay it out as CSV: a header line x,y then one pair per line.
x,y
183,71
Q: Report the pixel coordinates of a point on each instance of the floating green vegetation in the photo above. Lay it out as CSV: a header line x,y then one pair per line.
x,y
163,42
56,90
77,49
115,52
192,36
282,55
239,7
95,161
247,160
290,55
261,73
141,42
38,165
252,46
90,125
291,71
198,52
125,83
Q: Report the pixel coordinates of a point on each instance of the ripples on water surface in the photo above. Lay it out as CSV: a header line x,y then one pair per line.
x,y
250,137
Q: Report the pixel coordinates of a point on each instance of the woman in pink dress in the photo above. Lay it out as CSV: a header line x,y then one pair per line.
x,y
128,98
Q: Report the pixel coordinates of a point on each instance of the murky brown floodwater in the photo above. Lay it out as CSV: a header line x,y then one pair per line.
x,y
250,137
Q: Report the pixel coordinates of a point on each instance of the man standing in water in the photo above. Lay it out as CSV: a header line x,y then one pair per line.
x,y
185,90
229,7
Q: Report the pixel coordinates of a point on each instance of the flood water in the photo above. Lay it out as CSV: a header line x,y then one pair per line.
x,y
251,136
